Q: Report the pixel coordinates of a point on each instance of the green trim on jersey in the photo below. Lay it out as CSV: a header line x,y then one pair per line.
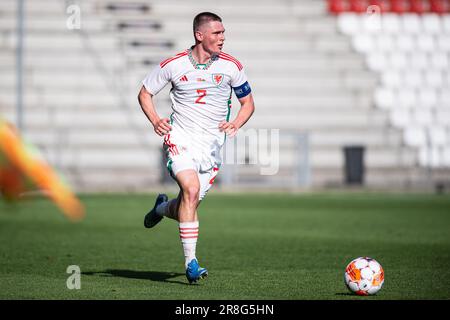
x,y
229,109
169,166
228,118
169,162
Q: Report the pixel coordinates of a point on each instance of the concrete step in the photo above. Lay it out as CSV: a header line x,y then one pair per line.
x,y
309,121
55,23
308,9
85,157
393,178
114,118
321,159
144,136
123,117
136,179
52,7
255,66
332,156
88,78
67,41
356,136
141,179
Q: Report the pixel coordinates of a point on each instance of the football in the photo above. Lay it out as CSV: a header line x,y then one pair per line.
x,y
364,276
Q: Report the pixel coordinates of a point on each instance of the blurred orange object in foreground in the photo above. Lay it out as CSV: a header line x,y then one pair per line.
x,y
20,168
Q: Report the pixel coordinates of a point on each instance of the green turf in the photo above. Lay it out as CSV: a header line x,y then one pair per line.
x,y
255,247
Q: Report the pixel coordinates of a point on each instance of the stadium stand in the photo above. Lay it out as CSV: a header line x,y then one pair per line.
x,y
407,46
326,70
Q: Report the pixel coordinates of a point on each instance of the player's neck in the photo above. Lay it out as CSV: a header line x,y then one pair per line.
x,y
200,55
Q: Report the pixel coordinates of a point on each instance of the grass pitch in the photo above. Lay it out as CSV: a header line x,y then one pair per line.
x,y
254,246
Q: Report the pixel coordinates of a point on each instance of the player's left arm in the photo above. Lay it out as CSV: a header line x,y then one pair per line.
x,y
244,114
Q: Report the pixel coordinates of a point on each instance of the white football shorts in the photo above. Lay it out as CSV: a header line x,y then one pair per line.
x,y
185,153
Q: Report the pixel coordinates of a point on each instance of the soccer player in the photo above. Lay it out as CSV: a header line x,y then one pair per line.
x,y
202,79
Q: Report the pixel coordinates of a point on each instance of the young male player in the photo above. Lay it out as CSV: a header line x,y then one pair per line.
x,y
202,79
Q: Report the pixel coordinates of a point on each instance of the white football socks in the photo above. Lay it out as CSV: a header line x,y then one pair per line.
x,y
188,236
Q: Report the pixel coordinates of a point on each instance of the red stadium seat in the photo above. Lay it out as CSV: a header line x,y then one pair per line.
x,y
394,6
337,6
417,6
359,6
439,6
399,6
382,4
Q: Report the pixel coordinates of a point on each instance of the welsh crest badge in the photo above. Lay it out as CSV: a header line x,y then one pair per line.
x,y
217,78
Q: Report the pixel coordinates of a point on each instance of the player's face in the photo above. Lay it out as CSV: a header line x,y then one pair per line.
x,y
213,36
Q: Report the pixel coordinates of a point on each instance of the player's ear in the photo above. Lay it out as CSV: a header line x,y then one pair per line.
x,y
198,35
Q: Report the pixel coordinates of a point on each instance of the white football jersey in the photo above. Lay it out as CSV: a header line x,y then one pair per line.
x,y
201,93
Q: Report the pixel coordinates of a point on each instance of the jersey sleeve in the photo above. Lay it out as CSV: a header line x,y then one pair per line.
x,y
238,77
240,84
157,79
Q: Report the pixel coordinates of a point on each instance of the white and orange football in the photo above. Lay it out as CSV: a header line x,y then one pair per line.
x,y
364,276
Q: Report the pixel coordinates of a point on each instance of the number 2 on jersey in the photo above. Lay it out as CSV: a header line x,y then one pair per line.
x,y
201,95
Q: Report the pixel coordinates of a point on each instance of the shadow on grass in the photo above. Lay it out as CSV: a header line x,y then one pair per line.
x,y
344,294
132,274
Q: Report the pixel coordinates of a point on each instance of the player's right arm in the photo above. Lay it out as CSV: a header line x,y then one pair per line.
x,y
153,83
160,125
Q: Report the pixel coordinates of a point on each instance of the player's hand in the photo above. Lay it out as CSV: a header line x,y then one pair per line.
x,y
163,126
229,127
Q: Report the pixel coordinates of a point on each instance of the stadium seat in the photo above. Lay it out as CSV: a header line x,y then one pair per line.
x,y
445,20
404,42
436,157
425,42
415,136
417,6
439,61
423,117
371,23
438,137
384,98
412,78
398,61
337,6
377,61
400,117
443,42
427,97
398,6
431,24
391,23
406,97
419,61
383,5
446,85
385,42
439,6
443,99
391,79
443,116
411,23
433,78
349,23
430,157
358,6
446,157
364,43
